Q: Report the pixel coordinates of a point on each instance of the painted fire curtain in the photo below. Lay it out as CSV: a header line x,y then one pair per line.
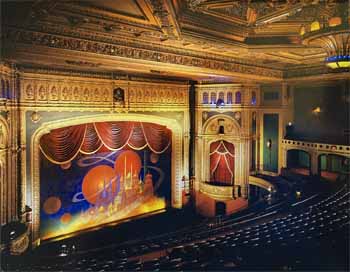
x,y
222,160
97,173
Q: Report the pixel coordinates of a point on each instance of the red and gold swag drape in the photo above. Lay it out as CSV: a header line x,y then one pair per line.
x,y
64,144
222,162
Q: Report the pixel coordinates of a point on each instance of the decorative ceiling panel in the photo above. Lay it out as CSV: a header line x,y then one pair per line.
x,y
125,7
210,38
137,11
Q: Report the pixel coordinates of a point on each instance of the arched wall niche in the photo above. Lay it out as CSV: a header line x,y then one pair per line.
x,y
210,134
177,164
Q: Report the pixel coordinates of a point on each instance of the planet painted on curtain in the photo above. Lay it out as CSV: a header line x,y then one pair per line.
x,y
52,205
96,181
66,218
154,158
104,186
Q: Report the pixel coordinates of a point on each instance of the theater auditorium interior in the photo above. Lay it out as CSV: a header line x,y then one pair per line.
x,y
174,135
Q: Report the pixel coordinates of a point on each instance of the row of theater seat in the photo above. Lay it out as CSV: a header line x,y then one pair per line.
x,y
282,241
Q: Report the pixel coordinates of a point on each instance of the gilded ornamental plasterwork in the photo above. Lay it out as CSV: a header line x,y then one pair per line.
x,y
68,43
61,90
216,192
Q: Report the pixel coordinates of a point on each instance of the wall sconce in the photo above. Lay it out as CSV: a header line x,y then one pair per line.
x,y
269,144
316,110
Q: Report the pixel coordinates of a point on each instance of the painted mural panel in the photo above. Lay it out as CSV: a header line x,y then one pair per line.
x,y
93,174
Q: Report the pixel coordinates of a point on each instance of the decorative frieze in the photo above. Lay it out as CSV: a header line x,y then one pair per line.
x,y
62,91
158,95
43,91
69,43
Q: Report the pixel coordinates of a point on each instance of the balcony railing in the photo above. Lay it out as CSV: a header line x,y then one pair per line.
x,y
319,147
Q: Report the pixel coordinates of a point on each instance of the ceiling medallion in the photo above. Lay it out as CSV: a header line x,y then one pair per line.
x,y
334,37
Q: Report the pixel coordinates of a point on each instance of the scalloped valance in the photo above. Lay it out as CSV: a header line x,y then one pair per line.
x,y
62,145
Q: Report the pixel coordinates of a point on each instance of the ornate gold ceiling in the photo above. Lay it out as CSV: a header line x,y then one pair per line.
x,y
194,39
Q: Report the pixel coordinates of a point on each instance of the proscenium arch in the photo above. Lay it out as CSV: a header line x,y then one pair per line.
x,y
177,169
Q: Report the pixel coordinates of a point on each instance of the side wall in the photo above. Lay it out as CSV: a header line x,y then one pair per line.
x,y
322,113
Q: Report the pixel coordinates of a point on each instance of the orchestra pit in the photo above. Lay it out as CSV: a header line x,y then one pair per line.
x,y
174,135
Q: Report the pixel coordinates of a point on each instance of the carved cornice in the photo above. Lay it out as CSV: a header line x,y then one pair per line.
x,y
125,51
46,71
24,69
83,63
194,43
134,42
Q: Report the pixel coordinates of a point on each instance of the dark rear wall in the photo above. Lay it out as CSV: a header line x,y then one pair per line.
x,y
331,125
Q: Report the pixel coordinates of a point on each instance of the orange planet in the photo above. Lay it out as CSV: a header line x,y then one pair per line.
x,y
52,205
65,218
128,163
154,158
99,178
